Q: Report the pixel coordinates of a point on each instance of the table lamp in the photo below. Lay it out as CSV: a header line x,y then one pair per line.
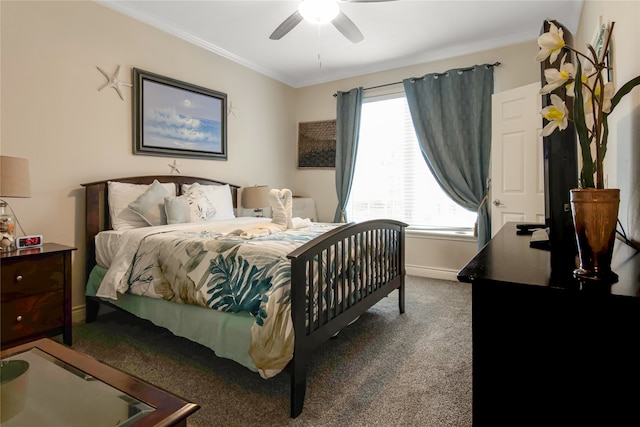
x,y
256,198
14,182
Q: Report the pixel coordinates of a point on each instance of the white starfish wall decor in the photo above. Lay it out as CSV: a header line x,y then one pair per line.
x,y
231,110
113,81
175,167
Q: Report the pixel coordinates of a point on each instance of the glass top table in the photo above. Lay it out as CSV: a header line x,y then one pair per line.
x,y
46,383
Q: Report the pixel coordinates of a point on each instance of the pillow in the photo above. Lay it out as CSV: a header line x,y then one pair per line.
x,y
219,196
120,194
201,208
150,204
177,210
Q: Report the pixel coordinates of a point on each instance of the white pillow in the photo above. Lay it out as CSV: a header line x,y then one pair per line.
x,y
219,196
201,208
177,210
120,194
150,204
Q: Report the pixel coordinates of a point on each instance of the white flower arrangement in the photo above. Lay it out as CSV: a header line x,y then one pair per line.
x,y
594,99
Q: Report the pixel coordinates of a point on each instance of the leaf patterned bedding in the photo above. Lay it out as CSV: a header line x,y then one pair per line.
x,y
211,265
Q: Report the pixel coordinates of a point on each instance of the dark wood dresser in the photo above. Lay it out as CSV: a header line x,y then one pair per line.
x,y
548,349
36,294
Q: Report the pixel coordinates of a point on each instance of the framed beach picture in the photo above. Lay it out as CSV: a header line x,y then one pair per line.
x,y
177,119
317,145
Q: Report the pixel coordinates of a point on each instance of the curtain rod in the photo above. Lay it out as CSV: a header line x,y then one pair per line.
x,y
495,64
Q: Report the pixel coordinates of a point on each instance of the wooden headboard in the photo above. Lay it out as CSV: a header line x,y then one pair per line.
x,y
97,217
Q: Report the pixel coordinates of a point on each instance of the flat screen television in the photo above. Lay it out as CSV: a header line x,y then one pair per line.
x,y
560,167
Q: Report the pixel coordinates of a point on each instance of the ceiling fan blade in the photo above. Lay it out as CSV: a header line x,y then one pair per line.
x,y
286,26
347,27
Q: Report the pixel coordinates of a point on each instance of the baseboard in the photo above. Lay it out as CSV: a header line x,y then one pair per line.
x,y
430,272
78,314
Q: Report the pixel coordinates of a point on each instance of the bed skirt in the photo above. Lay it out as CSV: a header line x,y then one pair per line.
x,y
227,334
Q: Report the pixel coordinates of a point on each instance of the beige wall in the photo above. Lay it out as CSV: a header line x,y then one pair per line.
x,y
318,103
622,162
426,255
433,256
54,115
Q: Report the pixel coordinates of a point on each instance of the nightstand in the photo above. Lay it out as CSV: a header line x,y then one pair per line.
x,y
35,285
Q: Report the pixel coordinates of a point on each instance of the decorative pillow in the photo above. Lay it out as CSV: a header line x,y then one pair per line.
x,y
150,204
219,196
120,195
201,208
177,210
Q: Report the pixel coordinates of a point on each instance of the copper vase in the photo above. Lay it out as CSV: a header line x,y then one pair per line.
x,y
595,215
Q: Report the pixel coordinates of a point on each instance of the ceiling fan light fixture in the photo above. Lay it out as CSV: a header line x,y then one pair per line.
x,y
319,11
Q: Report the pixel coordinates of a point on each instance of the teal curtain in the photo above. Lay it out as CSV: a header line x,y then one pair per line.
x,y
349,107
451,113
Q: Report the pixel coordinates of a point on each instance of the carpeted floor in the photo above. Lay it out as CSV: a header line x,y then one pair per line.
x,y
386,369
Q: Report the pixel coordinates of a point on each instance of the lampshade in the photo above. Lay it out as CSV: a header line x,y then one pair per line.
x,y
255,197
14,177
319,11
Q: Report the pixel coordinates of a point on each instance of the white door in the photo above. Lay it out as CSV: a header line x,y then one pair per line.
x,y
517,172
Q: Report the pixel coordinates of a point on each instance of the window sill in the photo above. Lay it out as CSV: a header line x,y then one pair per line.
x,y
459,234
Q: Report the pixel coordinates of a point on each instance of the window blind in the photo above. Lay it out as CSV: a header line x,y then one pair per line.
x,y
391,178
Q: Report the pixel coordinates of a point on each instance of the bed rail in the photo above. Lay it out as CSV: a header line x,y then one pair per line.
x,y
334,279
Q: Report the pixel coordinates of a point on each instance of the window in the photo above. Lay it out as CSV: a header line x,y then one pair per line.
x,y
391,178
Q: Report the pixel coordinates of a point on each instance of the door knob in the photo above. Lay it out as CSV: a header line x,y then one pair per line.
x,y
496,202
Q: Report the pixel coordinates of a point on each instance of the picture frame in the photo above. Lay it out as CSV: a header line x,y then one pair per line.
x,y
598,40
317,145
173,118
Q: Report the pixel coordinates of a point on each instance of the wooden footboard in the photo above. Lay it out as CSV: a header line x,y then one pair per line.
x,y
334,279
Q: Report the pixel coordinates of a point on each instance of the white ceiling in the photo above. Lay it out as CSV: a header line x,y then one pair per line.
x,y
396,33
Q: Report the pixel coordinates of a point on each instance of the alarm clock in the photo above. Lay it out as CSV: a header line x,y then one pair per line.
x,y
29,241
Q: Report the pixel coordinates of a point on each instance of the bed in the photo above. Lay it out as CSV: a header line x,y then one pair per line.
x,y
327,274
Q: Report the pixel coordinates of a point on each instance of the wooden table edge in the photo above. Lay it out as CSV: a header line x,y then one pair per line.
x,y
170,409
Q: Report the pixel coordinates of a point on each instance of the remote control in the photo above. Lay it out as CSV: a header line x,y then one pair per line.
x,y
529,227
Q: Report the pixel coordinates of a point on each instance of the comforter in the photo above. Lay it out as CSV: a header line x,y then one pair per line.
x,y
230,266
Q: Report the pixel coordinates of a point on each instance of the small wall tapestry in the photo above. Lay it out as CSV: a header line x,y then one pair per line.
x,y
317,144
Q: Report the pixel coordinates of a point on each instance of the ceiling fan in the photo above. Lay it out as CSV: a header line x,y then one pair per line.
x,y
322,12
